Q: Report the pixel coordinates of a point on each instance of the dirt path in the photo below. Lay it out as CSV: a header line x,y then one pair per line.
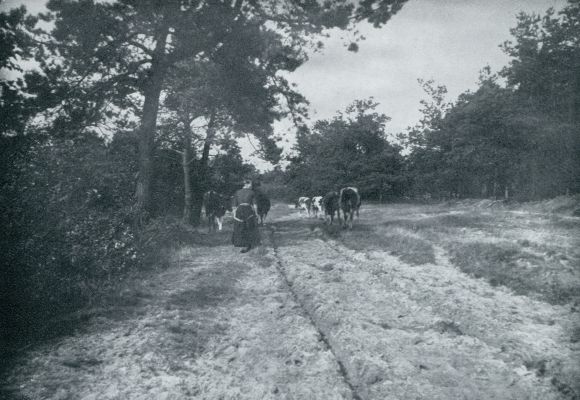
x,y
304,317
219,325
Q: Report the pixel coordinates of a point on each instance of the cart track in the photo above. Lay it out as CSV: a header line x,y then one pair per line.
x,y
485,337
323,337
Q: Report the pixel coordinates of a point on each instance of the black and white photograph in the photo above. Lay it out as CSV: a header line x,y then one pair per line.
x,y
290,199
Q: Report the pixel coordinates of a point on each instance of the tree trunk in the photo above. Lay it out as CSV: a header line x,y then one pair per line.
x,y
187,189
152,93
574,100
201,174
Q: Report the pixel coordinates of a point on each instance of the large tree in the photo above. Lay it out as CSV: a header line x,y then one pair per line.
x,y
116,55
545,60
544,74
239,100
521,138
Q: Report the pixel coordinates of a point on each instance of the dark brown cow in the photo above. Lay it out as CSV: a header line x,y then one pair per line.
x,y
263,205
330,205
349,200
216,206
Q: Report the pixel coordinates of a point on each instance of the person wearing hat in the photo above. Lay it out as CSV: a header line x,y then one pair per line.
x,y
246,232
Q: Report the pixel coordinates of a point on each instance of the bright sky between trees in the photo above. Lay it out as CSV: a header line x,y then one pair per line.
x,y
449,41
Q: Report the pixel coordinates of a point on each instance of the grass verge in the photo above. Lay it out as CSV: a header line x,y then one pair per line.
x,y
408,247
506,264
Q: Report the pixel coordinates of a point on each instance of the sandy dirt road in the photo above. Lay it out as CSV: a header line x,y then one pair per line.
x,y
306,316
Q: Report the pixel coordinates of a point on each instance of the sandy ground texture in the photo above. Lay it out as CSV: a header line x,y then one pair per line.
x,y
318,314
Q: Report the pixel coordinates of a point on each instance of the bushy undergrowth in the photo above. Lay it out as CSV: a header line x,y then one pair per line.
x,y
67,233
70,235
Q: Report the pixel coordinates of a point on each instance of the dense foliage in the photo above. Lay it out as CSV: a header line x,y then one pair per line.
x,y
490,144
67,226
521,139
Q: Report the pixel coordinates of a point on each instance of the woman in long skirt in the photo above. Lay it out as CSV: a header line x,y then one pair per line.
x,y
246,232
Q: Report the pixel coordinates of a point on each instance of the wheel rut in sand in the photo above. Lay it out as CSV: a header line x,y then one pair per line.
x,y
280,267
405,331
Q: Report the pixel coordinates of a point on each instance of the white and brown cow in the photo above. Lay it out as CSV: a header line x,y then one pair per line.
x,y
216,206
349,201
316,205
304,204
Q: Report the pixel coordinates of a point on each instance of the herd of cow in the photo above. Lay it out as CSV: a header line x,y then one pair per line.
x,y
216,205
346,200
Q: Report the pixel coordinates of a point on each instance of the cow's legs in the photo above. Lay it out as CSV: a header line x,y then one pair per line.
x,y
219,221
348,216
214,223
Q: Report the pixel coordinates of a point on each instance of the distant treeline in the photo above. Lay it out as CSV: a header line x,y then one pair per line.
x,y
516,137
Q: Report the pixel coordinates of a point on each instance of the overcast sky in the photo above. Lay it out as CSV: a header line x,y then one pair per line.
x,y
445,40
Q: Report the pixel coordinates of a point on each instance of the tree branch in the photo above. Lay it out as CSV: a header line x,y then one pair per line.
x,y
141,46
